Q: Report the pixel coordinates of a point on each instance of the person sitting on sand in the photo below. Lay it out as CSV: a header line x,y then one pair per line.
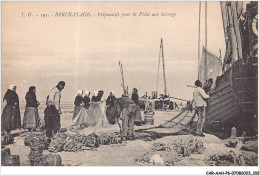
x,y
200,107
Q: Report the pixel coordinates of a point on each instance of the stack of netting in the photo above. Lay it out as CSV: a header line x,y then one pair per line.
x,y
9,160
50,160
169,158
187,147
109,138
233,159
57,143
72,142
226,159
37,142
174,151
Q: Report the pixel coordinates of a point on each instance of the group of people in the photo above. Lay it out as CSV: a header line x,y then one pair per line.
x,y
114,110
11,117
84,101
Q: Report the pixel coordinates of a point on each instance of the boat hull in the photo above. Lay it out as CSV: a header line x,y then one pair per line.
x,y
234,100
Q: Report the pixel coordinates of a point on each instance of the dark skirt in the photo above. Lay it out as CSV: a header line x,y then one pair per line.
x,y
31,118
111,115
11,118
138,116
76,111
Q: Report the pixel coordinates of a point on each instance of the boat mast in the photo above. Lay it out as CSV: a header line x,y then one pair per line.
x,y
123,80
158,68
165,89
199,44
205,61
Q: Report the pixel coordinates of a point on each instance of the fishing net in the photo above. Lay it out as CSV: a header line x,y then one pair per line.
x,y
173,151
95,116
182,123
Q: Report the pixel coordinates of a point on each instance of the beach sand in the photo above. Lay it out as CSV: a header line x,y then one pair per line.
x,y
120,154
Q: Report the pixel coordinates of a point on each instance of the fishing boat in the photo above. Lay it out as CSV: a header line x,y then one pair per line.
x,y
234,92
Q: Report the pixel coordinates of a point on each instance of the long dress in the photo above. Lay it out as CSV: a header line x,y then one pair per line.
x,y
138,116
11,118
77,102
31,115
86,101
111,111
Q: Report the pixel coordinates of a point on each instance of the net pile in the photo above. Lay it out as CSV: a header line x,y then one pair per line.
x,y
73,142
38,142
226,159
174,151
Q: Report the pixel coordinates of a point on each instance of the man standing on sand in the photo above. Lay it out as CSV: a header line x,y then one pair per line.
x,y
53,111
199,104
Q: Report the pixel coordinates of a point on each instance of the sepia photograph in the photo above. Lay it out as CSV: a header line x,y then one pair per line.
x,y
130,84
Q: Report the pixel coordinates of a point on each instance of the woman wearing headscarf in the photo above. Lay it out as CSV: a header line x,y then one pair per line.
x,y
95,97
78,102
31,118
138,116
86,99
11,118
110,111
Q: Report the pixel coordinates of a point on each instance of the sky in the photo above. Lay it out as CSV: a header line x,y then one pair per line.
x,y
84,51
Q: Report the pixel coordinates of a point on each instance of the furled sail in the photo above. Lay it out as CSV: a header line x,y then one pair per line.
x,y
210,67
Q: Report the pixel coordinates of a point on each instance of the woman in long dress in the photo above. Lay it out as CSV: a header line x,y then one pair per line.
x,y
138,116
11,118
95,97
110,111
78,102
31,118
86,99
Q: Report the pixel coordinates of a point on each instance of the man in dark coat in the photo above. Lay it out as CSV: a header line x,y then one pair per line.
x,y
100,95
53,111
110,99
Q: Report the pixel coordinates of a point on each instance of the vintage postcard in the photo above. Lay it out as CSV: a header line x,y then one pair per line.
x,y
130,84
